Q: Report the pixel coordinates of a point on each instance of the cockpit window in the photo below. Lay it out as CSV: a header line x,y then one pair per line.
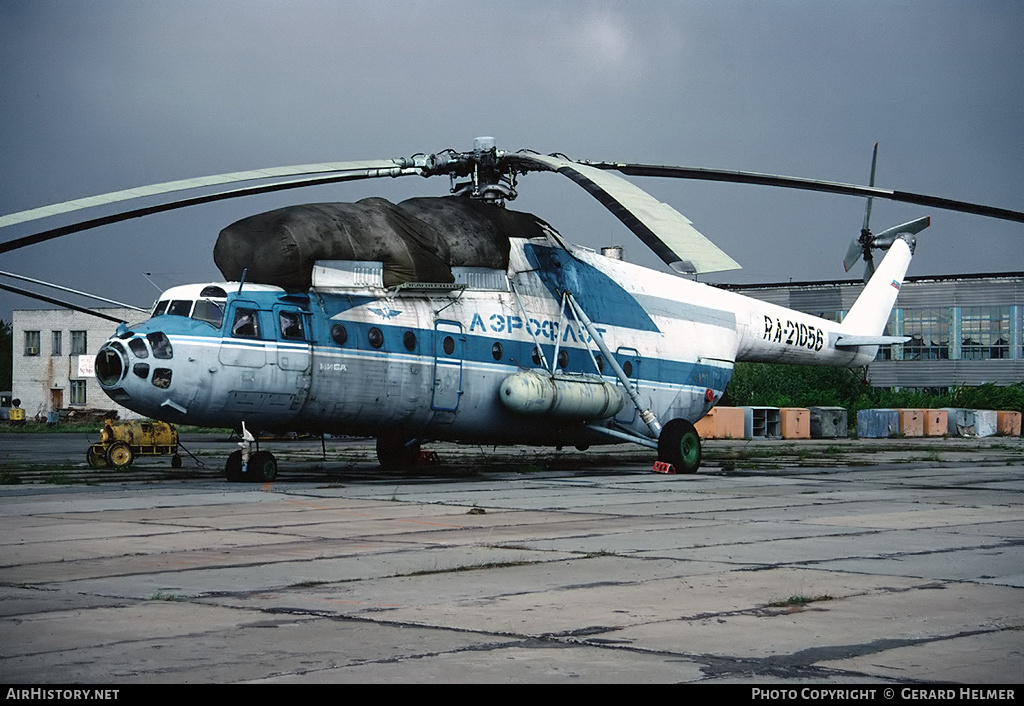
x,y
161,307
180,307
209,311
246,324
138,347
291,326
161,345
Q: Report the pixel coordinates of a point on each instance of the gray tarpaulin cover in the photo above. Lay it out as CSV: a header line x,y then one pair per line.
x,y
418,240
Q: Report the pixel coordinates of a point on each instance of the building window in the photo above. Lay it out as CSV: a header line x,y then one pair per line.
x,y
58,340
929,334
78,392
985,332
31,343
888,352
78,343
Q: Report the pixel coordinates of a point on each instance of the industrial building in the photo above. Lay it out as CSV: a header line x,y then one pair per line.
x,y
963,329
54,350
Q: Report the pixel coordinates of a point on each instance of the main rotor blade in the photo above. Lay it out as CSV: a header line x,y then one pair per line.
x,y
832,187
196,183
69,290
664,230
373,173
58,302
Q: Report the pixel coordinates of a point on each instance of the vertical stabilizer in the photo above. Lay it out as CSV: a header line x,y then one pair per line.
x,y
870,312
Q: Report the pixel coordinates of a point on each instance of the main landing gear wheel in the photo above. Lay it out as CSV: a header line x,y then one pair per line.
x,y
119,455
395,452
679,444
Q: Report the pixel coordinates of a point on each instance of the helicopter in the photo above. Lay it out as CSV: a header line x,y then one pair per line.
x,y
455,318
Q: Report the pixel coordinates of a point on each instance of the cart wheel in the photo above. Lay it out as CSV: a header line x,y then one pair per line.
x,y
176,461
119,455
96,457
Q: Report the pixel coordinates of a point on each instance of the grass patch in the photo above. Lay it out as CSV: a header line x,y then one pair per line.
x,y
164,596
471,567
799,601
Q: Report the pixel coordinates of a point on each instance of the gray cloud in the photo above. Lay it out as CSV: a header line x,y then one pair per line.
x,y
106,95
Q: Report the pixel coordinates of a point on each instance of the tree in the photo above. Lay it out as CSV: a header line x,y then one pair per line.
x,y
6,355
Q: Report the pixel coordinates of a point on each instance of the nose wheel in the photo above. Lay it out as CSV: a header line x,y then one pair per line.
x,y
262,467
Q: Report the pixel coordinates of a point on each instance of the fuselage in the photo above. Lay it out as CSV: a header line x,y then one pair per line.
x,y
352,357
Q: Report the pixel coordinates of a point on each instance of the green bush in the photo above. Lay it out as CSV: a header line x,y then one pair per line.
x,y
778,385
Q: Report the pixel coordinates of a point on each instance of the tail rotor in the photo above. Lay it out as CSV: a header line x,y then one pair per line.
x,y
861,247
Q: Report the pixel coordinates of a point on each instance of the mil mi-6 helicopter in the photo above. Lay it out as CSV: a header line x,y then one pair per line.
x,y
455,318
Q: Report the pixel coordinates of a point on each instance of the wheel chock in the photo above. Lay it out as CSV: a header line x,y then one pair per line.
x,y
427,458
663,467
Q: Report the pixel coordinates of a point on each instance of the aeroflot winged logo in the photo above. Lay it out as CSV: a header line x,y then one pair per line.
x,y
384,313
896,285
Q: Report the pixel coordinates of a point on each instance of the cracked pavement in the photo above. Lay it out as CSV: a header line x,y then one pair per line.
x,y
870,572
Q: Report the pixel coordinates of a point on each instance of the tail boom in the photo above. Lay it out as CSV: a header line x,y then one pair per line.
x,y
775,334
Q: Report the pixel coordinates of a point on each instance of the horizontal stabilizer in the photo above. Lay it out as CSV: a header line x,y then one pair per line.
x,y
846,341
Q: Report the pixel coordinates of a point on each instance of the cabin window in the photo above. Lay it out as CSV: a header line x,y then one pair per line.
x,y
180,307
208,312
291,326
497,351
246,324
627,368
376,337
536,355
563,358
600,362
339,334
138,347
409,341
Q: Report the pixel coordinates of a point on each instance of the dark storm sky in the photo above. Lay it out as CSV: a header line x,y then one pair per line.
x,y
105,95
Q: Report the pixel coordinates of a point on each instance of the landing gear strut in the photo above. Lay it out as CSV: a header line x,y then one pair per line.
x,y
679,444
244,464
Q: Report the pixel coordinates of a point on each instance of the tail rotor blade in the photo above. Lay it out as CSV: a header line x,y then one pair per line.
x,y
867,211
853,254
869,270
887,236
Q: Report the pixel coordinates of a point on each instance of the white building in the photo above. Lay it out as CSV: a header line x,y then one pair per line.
x,y
54,350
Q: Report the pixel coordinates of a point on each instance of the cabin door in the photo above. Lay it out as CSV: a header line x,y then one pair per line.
x,y
294,351
629,360
448,351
